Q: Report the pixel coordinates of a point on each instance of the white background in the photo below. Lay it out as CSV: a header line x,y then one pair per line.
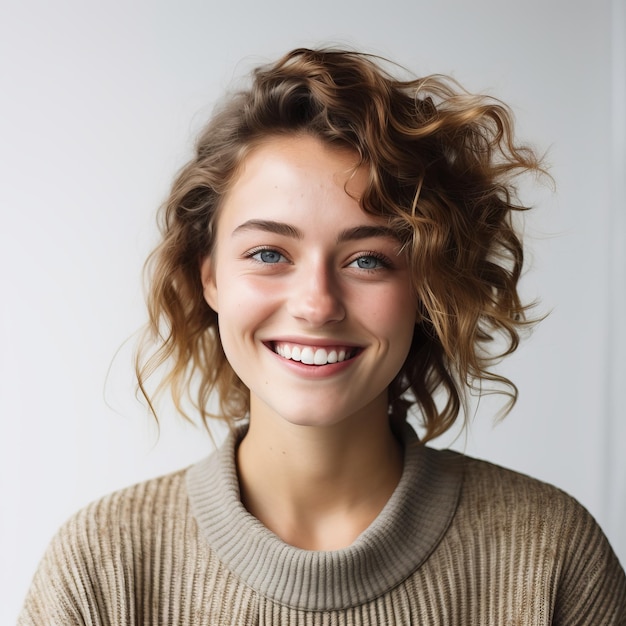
x,y
99,104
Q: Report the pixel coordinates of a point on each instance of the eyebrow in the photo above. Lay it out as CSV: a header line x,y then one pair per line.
x,y
287,230
268,226
365,232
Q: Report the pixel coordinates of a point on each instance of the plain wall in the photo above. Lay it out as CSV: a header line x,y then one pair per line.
x,y
100,104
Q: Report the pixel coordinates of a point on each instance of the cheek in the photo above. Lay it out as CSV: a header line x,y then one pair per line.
x,y
245,304
394,308
249,295
396,318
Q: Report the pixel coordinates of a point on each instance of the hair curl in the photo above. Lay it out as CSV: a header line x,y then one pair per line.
x,y
440,163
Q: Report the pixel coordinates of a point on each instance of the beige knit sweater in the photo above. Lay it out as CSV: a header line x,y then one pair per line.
x,y
460,543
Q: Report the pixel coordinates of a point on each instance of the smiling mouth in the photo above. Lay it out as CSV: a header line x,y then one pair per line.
x,y
314,355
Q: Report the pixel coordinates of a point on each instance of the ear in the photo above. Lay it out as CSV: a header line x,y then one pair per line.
x,y
209,286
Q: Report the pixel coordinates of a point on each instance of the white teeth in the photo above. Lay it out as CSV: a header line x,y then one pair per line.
x,y
310,355
307,356
321,357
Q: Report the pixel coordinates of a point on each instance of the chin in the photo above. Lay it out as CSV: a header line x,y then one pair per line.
x,y
319,418
310,422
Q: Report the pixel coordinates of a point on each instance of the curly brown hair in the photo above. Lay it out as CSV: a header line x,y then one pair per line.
x,y
441,164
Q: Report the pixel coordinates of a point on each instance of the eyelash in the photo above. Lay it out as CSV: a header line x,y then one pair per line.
x,y
384,261
252,253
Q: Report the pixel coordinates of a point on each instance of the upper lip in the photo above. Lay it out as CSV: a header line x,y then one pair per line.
x,y
317,342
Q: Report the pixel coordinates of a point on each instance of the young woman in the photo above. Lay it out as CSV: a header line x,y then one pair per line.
x,y
339,251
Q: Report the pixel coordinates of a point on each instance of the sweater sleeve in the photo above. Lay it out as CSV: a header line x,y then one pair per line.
x,y
592,589
62,591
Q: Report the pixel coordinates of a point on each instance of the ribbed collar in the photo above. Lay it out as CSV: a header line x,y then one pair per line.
x,y
397,542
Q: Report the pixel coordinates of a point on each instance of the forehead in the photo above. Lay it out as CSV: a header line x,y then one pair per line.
x,y
288,173
285,157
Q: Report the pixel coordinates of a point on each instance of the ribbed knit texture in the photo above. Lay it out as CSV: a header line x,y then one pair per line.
x,y
461,542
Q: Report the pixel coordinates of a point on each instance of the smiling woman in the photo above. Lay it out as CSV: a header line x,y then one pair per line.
x,y
293,238
339,250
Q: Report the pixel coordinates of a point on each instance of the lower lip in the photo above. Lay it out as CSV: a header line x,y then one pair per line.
x,y
315,371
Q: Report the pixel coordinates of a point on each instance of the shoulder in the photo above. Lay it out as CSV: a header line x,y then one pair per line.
x,y
101,552
505,497
128,512
129,516
144,499
490,489
534,531
504,501
488,483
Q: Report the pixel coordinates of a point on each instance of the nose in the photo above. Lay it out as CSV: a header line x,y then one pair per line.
x,y
316,296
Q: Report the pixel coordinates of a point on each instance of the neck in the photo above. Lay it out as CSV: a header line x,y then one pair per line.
x,y
318,488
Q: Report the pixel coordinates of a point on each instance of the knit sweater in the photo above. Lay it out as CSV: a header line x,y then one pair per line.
x,y
461,542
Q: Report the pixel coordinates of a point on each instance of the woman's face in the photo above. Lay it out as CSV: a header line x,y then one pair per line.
x,y
313,296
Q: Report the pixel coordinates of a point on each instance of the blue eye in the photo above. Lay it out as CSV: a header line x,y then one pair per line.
x,y
268,256
368,262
